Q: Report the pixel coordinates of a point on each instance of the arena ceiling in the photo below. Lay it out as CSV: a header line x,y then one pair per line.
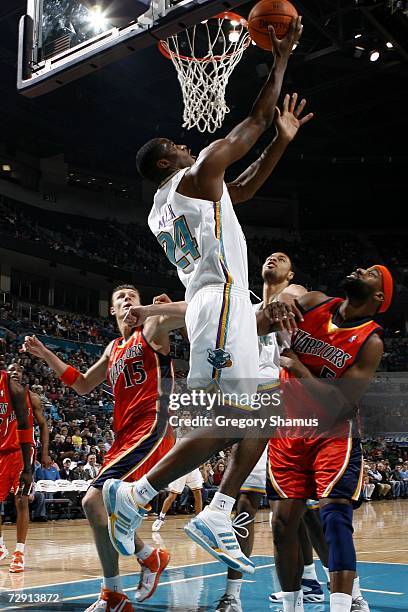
x,y
357,141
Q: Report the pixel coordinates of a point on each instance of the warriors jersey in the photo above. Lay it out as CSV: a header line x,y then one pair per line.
x,y
203,239
8,421
8,424
139,377
327,348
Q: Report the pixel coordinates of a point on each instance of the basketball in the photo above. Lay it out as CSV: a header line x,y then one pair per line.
x,y
270,12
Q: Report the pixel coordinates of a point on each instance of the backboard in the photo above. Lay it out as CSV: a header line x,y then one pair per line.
x,y
63,40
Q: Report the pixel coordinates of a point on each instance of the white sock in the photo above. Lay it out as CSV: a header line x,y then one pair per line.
x,y
356,588
234,587
162,516
326,571
292,601
20,547
143,491
113,584
309,572
1,541
340,602
222,503
145,552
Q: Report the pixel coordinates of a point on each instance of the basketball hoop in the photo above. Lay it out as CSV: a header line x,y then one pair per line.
x,y
205,57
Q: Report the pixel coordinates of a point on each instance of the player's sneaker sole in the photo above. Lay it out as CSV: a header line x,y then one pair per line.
x,y
200,533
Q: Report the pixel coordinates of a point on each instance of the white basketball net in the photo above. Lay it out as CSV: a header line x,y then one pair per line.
x,y
203,76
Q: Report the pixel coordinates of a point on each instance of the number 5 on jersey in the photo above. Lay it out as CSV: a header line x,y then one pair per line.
x,y
182,240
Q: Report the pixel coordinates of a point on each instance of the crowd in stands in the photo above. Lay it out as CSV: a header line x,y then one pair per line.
x,y
385,470
128,247
321,258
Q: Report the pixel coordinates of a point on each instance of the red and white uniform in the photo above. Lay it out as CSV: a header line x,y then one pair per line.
x,y
11,458
141,379
308,462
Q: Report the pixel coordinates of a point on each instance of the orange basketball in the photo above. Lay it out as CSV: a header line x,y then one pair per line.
x,y
270,12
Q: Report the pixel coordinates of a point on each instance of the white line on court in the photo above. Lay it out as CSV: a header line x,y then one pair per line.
x,y
178,580
383,592
41,586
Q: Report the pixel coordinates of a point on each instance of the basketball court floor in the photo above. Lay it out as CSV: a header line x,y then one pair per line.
x,y
63,573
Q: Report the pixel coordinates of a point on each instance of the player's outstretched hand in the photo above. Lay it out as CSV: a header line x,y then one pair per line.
x,y
163,298
283,47
26,483
136,316
289,120
281,317
34,346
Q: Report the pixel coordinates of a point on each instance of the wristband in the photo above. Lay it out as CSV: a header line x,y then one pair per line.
x,y
25,436
70,376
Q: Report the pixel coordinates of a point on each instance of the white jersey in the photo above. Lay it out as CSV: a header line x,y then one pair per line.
x,y
268,355
203,239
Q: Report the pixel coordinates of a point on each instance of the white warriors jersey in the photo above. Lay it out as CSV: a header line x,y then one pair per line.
x,y
203,239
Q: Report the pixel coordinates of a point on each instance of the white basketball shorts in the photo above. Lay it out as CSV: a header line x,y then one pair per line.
x,y
194,480
221,326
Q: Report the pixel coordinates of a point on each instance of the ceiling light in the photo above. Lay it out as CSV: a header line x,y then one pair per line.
x,y
234,22
374,56
390,45
358,35
233,36
97,19
6,168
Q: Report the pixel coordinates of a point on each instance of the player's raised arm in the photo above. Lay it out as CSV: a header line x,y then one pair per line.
x,y
82,383
24,433
288,122
212,161
42,424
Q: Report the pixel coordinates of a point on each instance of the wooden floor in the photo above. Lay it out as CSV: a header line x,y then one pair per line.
x,y
62,551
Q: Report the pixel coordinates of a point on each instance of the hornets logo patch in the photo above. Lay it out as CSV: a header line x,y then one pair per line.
x,y
219,358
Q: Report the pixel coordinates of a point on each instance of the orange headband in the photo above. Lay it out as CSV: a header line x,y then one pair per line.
x,y
388,287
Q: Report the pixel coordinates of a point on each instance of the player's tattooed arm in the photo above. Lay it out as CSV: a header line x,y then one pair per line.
x,y
86,381
19,402
42,424
342,396
288,122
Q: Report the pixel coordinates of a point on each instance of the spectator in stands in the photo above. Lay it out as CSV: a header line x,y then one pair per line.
x,y
218,472
56,444
66,473
92,467
76,438
209,489
67,448
79,472
397,482
404,475
37,506
368,487
376,479
48,472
